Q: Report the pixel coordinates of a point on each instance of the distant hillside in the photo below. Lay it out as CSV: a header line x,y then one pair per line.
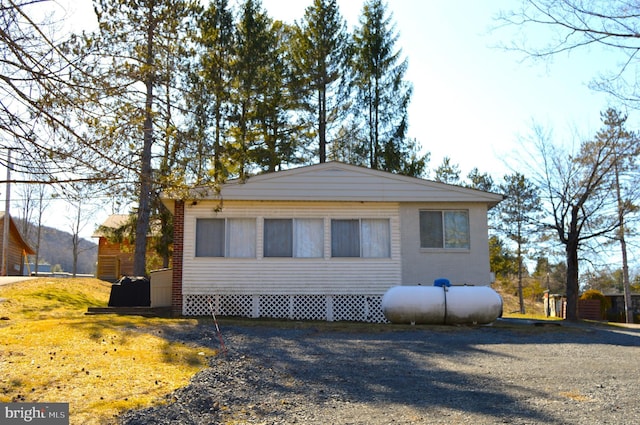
x,y
56,248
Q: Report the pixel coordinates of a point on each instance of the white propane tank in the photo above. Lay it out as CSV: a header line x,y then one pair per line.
x,y
472,304
414,304
438,305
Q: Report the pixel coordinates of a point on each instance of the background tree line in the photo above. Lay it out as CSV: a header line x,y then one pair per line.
x,y
166,95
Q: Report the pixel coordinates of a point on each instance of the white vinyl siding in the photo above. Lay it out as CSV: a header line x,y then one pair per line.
x,y
312,270
331,182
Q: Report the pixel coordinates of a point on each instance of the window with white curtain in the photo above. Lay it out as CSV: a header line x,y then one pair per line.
x,y
368,238
241,237
376,238
308,238
231,237
444,229
456,229
300,237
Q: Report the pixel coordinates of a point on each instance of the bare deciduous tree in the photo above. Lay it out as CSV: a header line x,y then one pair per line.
x,y
577,24
37,95
576,189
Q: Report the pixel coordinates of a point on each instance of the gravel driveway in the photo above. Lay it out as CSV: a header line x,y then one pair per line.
x,y
505,373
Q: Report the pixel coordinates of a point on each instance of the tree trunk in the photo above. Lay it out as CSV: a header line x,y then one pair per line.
x,y
144,208
372,140
39,232
217,155
572,278
37,256
376,124
520,295
628,307
166,238
322,124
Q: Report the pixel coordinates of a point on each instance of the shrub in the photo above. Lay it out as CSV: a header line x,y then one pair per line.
x,y
594,294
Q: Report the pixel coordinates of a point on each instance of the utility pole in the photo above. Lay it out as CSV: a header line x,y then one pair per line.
x,y
7,218
628,305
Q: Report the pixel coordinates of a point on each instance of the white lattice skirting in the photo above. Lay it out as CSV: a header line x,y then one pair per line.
x,y
358,308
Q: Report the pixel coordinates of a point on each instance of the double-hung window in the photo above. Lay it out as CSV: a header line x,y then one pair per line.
x,y
230,237
444,229
299,237
368,238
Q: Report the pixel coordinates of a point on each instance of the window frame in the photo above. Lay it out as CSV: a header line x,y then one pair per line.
x,y
446,241
375,232
226,237
294,237
210,250
361,237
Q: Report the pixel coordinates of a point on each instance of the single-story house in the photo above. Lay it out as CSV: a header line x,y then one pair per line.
x,y
17,250
323,242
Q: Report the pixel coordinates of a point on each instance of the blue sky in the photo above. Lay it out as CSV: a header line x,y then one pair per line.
x,y
472,100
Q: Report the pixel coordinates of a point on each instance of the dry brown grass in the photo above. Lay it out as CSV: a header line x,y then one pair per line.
x,y
50,351
511,304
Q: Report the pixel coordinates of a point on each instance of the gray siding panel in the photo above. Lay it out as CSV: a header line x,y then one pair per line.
x,y
423,266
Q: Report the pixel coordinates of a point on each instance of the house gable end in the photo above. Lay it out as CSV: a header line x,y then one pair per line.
x,y
334,181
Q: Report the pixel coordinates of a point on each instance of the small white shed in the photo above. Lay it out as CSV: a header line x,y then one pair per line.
x,y
324,242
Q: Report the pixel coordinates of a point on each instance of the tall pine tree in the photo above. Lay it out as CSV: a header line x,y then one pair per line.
x,y
136,54
210,94
518,218
382,94
321,55
625,176
249,66
448,172
277,143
